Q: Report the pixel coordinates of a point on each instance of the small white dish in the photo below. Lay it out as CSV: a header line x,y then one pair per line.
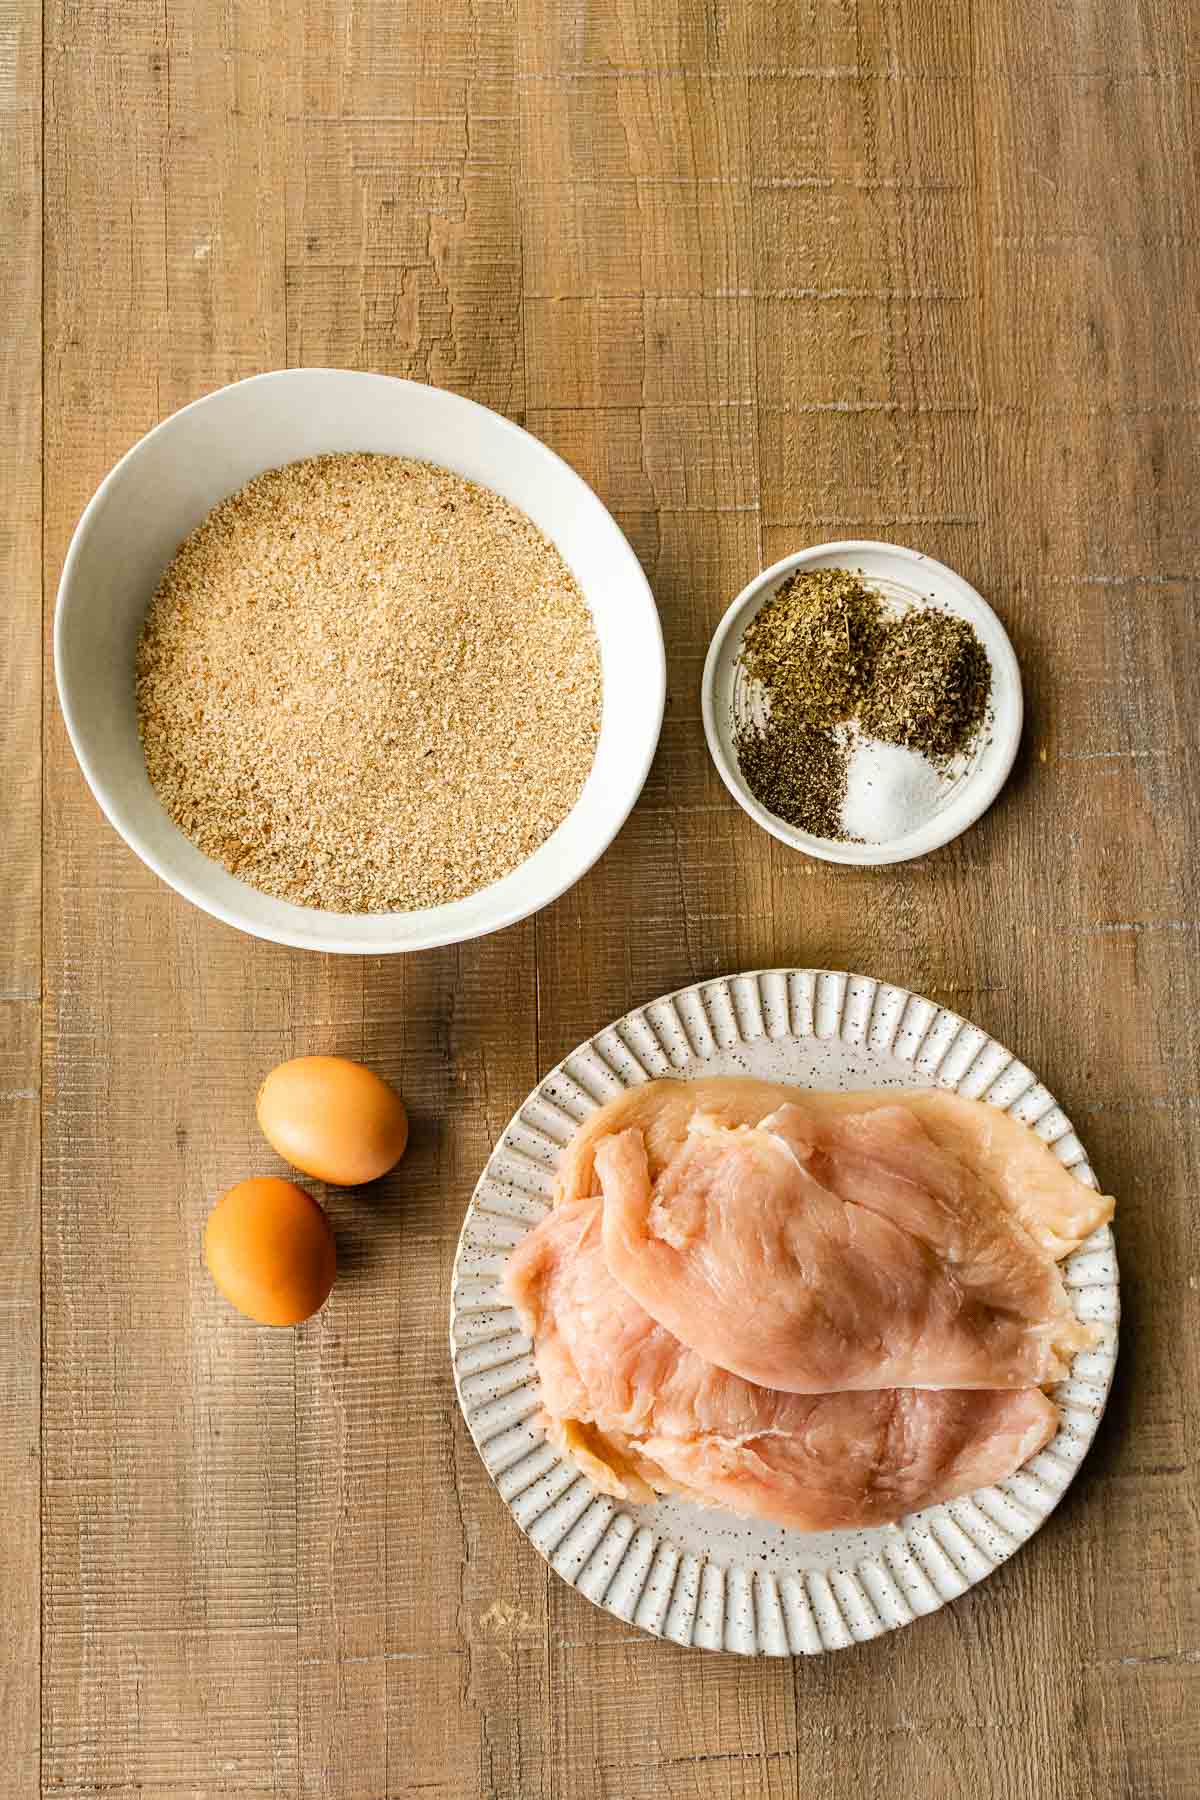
x,y
176,474
946,807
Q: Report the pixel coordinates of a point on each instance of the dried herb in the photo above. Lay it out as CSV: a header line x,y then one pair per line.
x,y
814,644
931,685
797,771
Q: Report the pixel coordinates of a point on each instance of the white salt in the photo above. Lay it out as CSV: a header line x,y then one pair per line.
x,y
889,791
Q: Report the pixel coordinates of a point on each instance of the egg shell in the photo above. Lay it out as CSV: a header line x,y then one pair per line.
x,y
333,1119
270,1249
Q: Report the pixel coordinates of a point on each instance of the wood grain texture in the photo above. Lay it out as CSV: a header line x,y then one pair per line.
x,y
20,892
765,274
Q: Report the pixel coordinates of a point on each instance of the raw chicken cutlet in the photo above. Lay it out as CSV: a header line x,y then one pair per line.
x,y
1057,1211
818,1253
640,1413
877,1239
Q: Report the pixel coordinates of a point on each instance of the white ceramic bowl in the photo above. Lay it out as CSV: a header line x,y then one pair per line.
x,y
902,576
166,485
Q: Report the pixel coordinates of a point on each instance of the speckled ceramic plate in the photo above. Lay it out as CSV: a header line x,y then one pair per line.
x,y
698,1575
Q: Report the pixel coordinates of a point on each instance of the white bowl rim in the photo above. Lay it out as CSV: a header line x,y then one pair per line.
x,y
977,794
318,938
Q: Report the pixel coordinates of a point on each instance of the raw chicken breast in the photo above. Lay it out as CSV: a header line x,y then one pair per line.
x,y
639,1412
1010,1159
814,1253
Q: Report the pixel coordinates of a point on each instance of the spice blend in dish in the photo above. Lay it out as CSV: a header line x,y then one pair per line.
x,y
366,684
839,669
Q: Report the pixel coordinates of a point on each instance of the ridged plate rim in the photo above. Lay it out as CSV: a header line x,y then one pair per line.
x,y
606,1549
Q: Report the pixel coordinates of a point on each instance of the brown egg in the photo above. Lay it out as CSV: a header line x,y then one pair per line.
x,y
333,1119
270,1250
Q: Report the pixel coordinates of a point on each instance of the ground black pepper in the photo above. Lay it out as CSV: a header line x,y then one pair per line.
x,y
796,771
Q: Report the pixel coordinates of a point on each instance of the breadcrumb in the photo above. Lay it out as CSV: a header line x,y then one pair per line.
x,y
366,684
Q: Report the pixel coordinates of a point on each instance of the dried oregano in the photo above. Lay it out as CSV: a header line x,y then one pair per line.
x,y
814,644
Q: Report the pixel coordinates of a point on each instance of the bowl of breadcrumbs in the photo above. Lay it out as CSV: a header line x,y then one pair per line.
x,y
356,664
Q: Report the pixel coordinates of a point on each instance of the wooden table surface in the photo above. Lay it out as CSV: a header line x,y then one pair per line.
x,y
766,274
